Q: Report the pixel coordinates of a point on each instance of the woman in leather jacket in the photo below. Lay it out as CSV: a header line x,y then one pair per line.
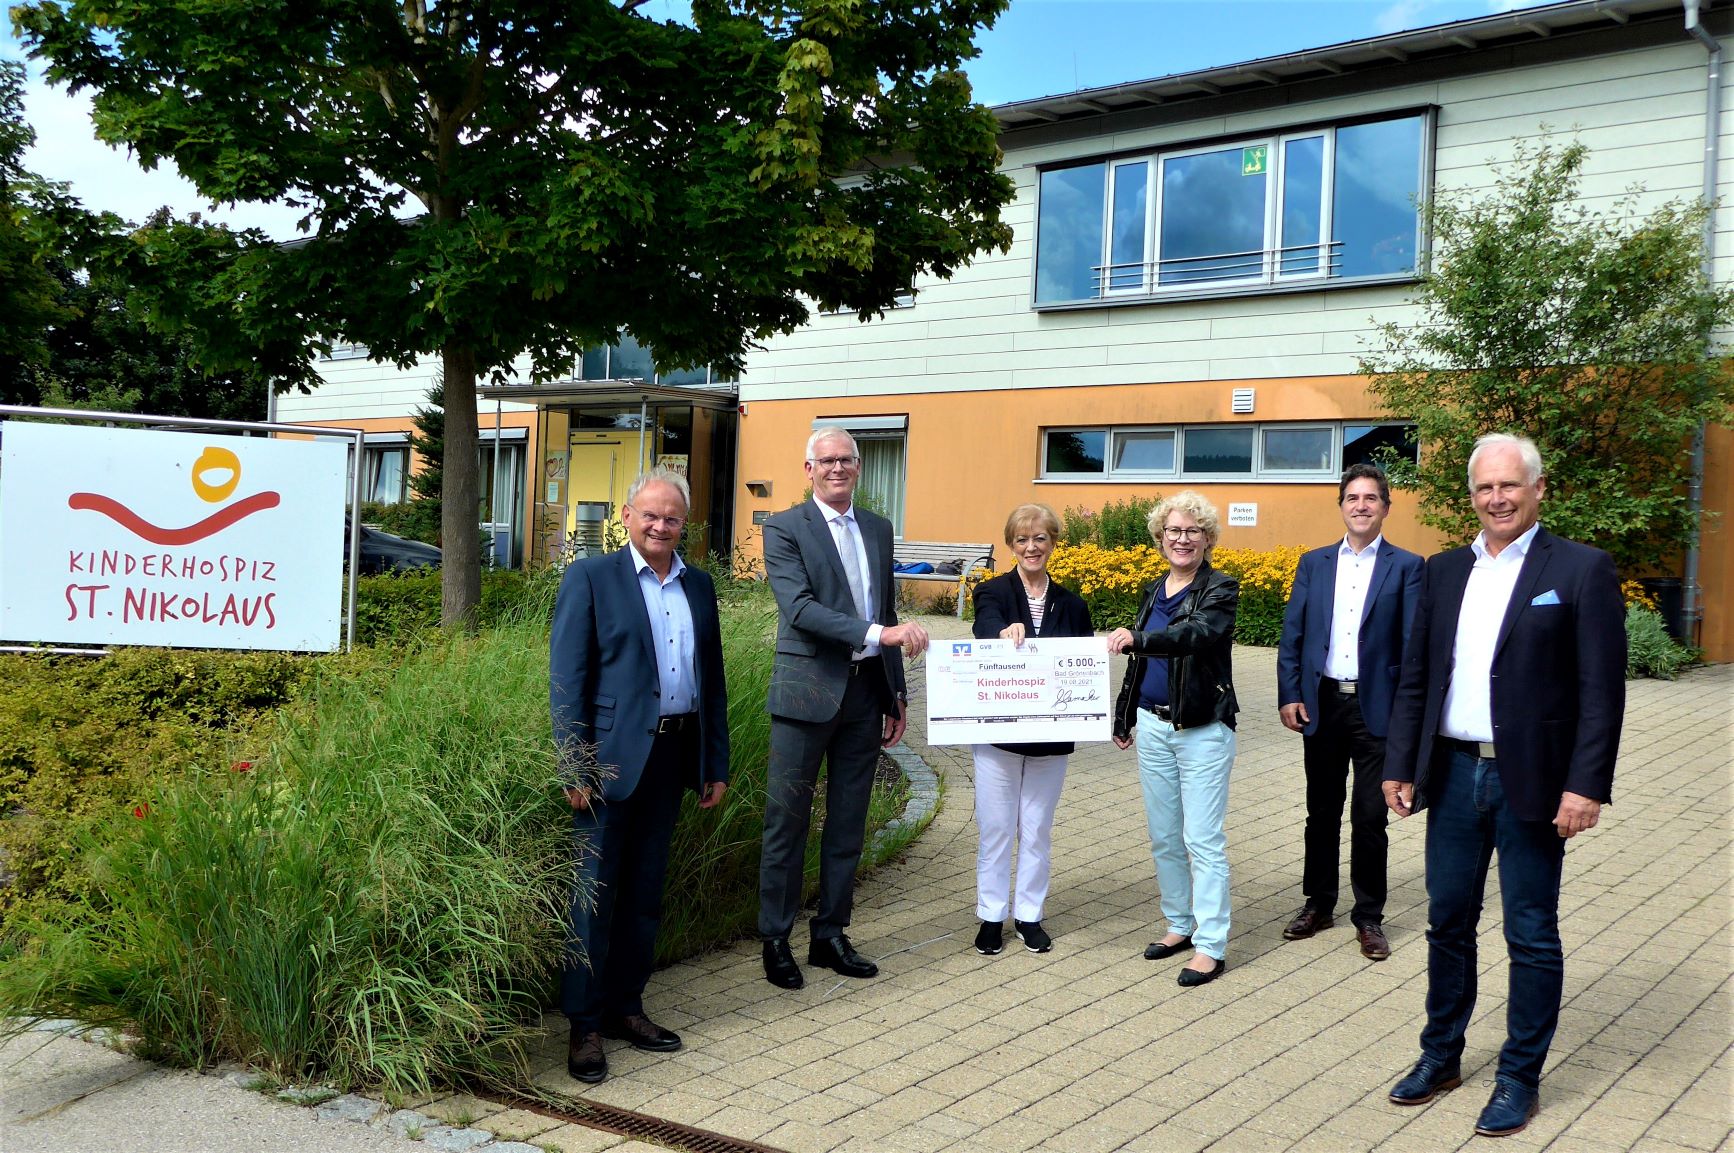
x,y
1177,702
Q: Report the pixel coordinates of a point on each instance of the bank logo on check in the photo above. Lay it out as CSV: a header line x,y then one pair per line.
x,y
960,649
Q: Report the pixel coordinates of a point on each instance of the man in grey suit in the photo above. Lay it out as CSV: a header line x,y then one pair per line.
x,y
837,696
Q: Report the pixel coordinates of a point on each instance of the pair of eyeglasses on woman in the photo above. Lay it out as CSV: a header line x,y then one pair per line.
x,y
1183,533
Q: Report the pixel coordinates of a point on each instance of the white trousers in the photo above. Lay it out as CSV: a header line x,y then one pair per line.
x,y
1015,799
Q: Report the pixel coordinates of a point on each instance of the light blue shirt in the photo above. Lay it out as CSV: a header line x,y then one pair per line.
x,y
845,522
671,630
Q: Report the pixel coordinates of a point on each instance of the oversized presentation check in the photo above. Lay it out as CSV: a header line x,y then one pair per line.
x,y
995,692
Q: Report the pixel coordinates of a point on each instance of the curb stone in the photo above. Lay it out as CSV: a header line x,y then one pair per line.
x,y
449,1140
923,794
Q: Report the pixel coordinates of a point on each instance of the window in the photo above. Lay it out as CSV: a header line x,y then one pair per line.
x,y
630,360
1339,202
346,352
387,477
881,441
1318,451
1362,443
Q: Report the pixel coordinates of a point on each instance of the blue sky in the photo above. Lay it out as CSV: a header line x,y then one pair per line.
x,y
1037,48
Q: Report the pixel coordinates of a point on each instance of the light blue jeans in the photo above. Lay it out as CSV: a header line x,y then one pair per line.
x,y
1184,774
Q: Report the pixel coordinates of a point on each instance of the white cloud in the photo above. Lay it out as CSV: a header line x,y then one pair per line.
x,y
108,179
1399,17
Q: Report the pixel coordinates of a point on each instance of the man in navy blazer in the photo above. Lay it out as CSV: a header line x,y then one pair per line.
x,y
640,712
1506,724
1336,671
837,696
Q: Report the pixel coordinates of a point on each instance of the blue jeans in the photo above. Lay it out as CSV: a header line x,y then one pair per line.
x,y
1467,821
1184,774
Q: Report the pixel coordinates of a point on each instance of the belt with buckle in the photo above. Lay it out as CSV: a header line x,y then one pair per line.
x,y
1160,712
855,667
1345,688
1481,750
676,723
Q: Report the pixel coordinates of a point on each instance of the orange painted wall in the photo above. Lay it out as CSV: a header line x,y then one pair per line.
x,y
1716,555
972,456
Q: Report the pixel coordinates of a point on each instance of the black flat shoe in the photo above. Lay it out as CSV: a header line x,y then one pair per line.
x,y
1192,978
780,967
1156,950
838,954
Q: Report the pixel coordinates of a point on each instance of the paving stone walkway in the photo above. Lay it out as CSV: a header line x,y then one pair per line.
x,y
1091,1048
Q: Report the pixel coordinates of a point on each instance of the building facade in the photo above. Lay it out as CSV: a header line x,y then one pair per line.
x,y
1199,261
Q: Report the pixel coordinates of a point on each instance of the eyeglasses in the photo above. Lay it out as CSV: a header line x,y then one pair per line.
x,y
1172,533
827,463
673,523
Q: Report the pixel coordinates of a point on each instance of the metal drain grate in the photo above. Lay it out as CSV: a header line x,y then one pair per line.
x,y
626,1123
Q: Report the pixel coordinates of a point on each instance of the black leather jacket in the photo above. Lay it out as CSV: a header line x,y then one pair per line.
x,y
1198,645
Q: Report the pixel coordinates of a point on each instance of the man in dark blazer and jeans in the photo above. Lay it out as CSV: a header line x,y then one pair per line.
x,y
1506,725
837,696
640,714
1336,672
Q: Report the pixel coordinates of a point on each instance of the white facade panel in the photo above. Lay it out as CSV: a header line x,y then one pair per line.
x,y
1639,112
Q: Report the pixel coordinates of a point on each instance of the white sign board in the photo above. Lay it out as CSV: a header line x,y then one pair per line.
x,y
1243,515
190,539
995,692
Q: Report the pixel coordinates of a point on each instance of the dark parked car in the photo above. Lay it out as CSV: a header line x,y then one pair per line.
x,y
382,552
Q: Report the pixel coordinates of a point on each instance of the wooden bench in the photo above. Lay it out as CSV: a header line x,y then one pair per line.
x,y
968,557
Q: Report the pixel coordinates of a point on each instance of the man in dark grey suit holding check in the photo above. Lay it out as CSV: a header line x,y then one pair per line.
x,y
837,696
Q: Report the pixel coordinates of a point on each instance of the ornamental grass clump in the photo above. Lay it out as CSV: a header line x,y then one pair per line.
x,y
377,902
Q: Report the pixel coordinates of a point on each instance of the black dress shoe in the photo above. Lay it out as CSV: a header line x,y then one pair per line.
x,y
1425,1081
642,1032
1192,978
1509,1110
780,967
837,953
585,1060
1156,950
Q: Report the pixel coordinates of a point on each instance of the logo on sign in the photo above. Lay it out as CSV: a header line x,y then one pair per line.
x,y
215,475
960,649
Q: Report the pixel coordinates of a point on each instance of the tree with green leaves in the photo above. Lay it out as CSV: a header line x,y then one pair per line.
x,y
573,170
30,207
1588,330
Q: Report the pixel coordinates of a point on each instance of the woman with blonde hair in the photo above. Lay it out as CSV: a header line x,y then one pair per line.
x,y
1017,787
1178,701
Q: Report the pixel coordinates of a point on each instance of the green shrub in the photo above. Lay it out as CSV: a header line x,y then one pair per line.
x,y
80,737
377,902
1118,524
1650,651
398,607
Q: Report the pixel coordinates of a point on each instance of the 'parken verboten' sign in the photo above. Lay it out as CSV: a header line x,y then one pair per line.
x,y
127,536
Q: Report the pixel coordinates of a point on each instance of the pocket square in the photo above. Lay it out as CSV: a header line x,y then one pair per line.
x,y
1550,597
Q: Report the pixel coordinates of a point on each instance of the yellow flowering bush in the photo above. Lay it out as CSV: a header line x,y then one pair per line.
x,y
1110,579
1633,593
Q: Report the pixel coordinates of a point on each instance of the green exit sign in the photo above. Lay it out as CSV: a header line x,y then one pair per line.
x,y
1255,160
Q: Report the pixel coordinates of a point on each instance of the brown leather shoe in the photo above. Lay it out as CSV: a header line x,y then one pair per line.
x,y
585,1060
1308,921
642,1032
1374,947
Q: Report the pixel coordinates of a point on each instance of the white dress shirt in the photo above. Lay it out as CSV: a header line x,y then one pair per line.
x,y
1354,578
845,522
1468,712
671,630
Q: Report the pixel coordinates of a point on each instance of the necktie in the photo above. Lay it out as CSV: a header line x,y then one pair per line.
x,y
852,567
